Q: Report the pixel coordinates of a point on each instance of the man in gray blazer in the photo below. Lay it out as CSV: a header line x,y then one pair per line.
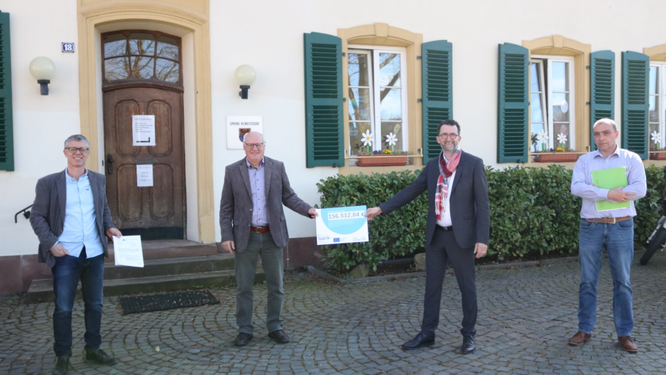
x,y
70,217
457,229
252,224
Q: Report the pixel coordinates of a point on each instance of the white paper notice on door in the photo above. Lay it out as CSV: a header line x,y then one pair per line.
x,y
144,175
127,251
143,130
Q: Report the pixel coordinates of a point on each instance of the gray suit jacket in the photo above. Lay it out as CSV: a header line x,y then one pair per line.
x,y
236,203
470,208
47,216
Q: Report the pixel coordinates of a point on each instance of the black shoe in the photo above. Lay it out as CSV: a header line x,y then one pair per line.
x,y
468,345
62,366
98,355
279,336
420,340
242,339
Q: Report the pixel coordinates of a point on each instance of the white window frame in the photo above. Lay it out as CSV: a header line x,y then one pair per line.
x,y
549,95
542,98
376,121
661,102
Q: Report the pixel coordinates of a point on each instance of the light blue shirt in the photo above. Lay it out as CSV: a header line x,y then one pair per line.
x,y
80,228
581,183
258,187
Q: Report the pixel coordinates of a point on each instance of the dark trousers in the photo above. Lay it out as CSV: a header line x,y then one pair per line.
x,y
443,249
67,272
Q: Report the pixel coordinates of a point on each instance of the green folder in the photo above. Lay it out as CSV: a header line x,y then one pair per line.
x,y
610,179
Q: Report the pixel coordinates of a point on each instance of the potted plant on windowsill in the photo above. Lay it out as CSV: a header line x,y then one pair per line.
x,y
379,158
657,153
557,155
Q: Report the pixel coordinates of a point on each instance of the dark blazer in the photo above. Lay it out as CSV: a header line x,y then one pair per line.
x,y
236,203
47,216
470,208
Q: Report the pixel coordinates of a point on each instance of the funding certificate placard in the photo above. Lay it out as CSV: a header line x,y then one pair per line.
x,y
339,225
127,251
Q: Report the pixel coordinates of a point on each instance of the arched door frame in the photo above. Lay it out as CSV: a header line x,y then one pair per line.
x,y
192,18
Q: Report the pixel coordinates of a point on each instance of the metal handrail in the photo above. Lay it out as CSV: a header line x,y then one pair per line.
x,y
26,214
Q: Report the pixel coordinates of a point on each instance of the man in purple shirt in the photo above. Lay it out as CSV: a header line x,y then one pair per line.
x,y
71,218
612,229
253,225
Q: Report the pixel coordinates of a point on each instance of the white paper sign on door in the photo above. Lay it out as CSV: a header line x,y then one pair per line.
x,y
144,175
143,130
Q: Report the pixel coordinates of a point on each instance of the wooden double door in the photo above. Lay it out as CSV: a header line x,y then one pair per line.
x,y
157,212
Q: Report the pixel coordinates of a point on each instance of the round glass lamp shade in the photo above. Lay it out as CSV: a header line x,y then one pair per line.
x,y
42,68
245,75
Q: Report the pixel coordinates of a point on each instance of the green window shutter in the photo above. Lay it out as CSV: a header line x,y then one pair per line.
x,y
6,131
602,86
437,95
512,107
635,71
323,100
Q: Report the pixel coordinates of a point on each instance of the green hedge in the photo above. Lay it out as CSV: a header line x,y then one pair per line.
x,y
533,214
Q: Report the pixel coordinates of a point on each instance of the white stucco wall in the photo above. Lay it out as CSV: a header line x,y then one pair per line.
x,y
269,36
41,123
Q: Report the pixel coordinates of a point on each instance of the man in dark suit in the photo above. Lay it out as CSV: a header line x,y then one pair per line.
x,y
457,230
252,223
70,216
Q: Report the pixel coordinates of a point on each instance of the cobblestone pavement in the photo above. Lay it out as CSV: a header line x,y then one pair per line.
x,y
526,316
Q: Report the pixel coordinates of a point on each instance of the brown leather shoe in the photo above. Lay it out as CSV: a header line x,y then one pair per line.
x,y
628,344
579,338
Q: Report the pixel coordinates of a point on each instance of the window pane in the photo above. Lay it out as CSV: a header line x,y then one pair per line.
x,y
560,76
115,69
358,69
534,77
560,107
356,131
167,48
539,143
654,78
392,128
142,44
655,136
391,104
115,45
562,137
654,110
166,70
359,104
537,110
389,69
142,67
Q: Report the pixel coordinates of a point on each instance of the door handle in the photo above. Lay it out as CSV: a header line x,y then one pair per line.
x,y
109,164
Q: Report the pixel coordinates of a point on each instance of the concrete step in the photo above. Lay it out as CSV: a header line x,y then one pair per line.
x,y
42,290
163,249
172,266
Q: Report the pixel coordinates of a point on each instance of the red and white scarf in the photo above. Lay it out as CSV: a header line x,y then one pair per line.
x,y
445,171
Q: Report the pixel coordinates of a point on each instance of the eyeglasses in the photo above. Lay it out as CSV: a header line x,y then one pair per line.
x,y
253,145
446,135
82,150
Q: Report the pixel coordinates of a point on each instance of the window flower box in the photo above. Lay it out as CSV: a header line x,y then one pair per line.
x,y
556,157
381,160
657,155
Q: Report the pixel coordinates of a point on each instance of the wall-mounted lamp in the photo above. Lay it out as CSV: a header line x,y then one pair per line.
x,y
245,76
43,69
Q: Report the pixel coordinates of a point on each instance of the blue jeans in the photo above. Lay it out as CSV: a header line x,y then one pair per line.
x,y
260,244
67,272
618,239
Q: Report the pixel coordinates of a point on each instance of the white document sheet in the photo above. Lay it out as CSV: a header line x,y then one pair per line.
x,y
128,251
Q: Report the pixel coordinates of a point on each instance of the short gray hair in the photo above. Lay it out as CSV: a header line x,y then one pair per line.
x,y
76,137
606,121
